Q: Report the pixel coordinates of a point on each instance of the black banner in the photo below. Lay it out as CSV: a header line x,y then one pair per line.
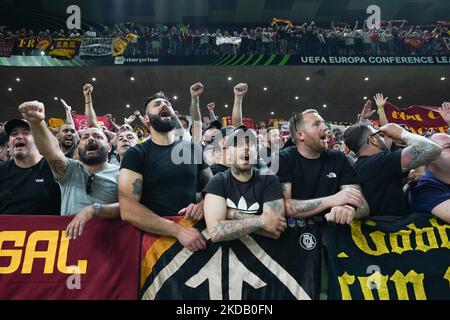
x,y
251,268
389,259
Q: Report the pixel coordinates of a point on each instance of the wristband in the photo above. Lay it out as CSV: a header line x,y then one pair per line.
x,y
88,102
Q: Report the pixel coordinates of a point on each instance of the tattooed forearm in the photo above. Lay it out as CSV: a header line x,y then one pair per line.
x,y
59,168
275,205
204,176
419,152
231,230
137,187
304,208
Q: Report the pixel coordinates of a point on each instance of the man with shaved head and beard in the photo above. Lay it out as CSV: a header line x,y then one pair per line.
x,y
319,186
26,181
88,186
158,178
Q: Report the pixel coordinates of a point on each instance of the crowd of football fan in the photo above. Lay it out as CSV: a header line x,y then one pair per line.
x,y
238,179
393,38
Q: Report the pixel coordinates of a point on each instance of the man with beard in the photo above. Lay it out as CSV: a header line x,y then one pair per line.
x,y
156,181
26,181
68,139
319,186
88,186
67,135
382,170
241,200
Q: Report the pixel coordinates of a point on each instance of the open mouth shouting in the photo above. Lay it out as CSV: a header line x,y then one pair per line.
x,y
91,148
18,146
165,114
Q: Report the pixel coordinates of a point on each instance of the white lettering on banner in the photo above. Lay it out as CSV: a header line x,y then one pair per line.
x,y
74,20
228,40
96,47
74,281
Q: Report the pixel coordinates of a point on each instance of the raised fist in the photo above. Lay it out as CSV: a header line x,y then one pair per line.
x,y
33,111
240,89
197,89
211,106
66,106
137,113
87,89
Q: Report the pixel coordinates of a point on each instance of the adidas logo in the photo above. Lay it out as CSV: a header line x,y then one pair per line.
x,y
242,206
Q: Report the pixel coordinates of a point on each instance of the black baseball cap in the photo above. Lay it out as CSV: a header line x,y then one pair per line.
x,y
214,124
239,132
11,124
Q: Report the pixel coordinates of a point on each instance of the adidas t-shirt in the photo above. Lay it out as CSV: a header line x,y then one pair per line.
x,y
248,197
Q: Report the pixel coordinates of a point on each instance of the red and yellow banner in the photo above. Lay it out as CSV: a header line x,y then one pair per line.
x,y
37,261
65,48
81,122
419,119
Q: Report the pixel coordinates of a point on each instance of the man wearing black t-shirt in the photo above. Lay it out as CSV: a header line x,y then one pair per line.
x,y
159,178
317,181
382,170
243,200
26,181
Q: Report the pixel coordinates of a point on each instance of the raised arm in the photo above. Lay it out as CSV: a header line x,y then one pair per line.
x,y
444,111
131,210
380,101
420,150
211,107
68,109
196,91
47,144
89,111
366,112
239,91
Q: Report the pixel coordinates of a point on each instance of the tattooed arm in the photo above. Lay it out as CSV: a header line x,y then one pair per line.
x,y
132,211
302,208
275,207
308,208
203,177
222,229
420,151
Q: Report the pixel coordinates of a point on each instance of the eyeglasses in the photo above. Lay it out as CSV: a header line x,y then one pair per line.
x,y
89,185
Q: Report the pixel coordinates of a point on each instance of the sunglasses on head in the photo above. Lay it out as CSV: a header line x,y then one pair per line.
x,y
380,133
